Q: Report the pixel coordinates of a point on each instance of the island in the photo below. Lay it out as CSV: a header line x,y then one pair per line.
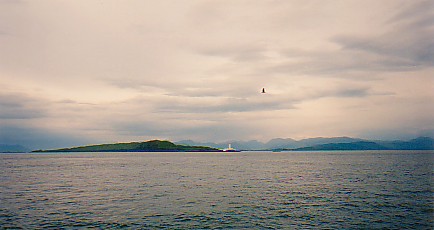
x,y
147,146
420,143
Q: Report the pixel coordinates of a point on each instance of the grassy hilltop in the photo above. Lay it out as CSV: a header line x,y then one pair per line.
x,y
147,146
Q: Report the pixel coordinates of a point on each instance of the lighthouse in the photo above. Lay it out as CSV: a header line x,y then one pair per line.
x,y
230,149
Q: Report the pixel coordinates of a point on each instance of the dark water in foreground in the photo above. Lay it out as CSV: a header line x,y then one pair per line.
x,y
261,190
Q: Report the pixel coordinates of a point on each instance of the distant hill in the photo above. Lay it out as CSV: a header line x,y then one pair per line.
x,y
311,144
147,146
421,143
13,149
320,143
281,143
277,143
360,145
322,140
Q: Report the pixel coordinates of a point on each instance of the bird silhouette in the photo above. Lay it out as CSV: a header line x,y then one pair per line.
x,y
263,90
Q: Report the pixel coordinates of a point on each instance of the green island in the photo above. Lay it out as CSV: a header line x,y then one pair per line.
x,y
147,146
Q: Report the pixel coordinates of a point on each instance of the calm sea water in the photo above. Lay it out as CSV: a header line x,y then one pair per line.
x,y
260,190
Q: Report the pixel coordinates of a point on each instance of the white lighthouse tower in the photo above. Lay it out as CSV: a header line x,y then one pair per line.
x,y
230,149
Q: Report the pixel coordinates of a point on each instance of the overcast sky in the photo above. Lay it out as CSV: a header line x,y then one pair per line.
x,y
87,71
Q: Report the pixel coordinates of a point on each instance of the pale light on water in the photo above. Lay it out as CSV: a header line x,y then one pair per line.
x,y
218,190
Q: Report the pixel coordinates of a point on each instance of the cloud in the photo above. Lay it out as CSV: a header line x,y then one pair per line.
x,y
363,92
397,51
402,49
188,126
225,105
38,122
426,133
209,86
408,42
37,138
256,101
73,102
21,106
237,52
12,1
149,69
404,44
419,14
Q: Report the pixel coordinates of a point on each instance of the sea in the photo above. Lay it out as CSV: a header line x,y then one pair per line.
x,y
244,190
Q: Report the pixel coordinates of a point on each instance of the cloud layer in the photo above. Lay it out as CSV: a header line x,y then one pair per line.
x,y
102,71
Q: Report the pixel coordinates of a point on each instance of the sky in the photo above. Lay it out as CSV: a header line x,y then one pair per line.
x,y
102,71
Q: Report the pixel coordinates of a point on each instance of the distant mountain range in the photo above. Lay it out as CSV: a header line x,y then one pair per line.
x,y
278,144
317,144
421,143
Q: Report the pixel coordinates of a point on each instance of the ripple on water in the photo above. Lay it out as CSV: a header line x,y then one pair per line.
x,y
197,191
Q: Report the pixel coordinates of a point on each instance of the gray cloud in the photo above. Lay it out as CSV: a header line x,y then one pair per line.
x,y
12,1
352,93
225,105
152,69
256,102
21,106
237,52
211,86
408,42
418,14
37,138
156,83
221,131
357,55
426,133
73,102
185,127
397,51
141,128
405,45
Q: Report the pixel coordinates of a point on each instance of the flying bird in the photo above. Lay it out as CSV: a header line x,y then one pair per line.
x,y
263,90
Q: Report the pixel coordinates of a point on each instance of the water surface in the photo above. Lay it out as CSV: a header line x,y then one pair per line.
x,y
263,190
